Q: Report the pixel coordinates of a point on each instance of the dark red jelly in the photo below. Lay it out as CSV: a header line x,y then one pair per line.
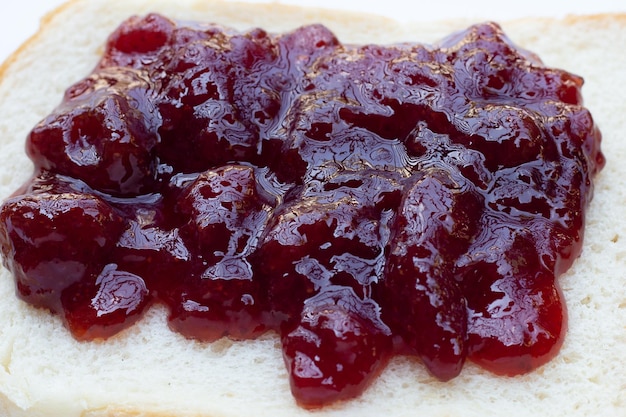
x,y
362,201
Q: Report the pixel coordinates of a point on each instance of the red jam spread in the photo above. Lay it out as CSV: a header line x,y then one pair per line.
x,y
361,201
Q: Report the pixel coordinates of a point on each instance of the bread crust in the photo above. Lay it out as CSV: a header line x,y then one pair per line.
x,y
150,371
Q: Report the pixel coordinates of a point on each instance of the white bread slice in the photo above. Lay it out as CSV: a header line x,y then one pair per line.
x,y
149,370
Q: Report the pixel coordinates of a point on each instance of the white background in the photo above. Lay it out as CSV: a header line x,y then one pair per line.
x,y
20,18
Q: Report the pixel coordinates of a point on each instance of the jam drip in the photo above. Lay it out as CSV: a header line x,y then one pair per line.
x,y
361,201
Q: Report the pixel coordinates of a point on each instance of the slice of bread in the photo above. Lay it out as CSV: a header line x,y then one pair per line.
x,y
149,370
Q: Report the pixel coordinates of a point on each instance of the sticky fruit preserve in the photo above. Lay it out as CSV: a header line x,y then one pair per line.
x,y
361,201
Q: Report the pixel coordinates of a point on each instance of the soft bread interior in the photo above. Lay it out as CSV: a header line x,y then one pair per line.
x,y
149,370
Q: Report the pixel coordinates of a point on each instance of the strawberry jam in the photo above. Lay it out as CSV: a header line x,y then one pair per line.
x,y
361,201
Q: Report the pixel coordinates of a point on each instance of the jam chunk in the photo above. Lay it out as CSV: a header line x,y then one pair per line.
x,y
219,296
104,134
105,304
361,201
47,253
338,347
424,302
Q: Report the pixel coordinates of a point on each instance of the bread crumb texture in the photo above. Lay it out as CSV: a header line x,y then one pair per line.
x,y
151,371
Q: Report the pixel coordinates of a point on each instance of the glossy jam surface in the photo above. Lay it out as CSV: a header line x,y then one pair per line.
x,y
362,201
